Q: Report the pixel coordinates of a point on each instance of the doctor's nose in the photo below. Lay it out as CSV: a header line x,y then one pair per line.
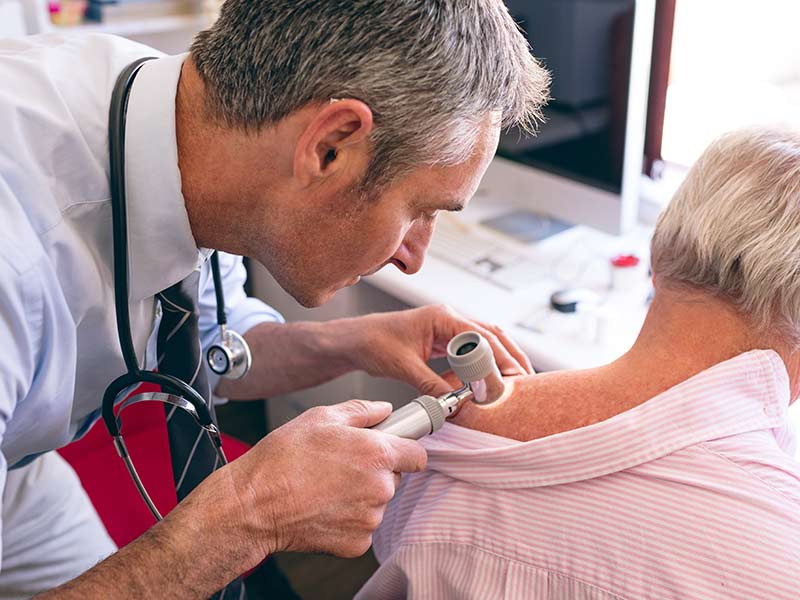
x,y
410,256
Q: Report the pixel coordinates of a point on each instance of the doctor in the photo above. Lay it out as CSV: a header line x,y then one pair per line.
x,y
320,138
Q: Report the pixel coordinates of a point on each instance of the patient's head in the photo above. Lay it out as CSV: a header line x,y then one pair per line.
x,y
733,229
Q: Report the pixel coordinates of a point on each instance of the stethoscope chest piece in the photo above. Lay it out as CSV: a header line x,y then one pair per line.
x,y
229,356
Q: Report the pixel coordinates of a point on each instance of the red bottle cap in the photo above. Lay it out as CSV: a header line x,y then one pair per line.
x,y
625,260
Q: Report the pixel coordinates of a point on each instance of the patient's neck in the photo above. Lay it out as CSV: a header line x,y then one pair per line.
x,y
685,333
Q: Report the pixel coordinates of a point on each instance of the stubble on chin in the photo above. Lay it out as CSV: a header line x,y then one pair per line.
x,y
310,298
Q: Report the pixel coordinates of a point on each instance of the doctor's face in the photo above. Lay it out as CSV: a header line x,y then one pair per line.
x,y
337,240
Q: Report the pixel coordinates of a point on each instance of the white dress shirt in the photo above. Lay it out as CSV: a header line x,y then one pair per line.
x,y
57,319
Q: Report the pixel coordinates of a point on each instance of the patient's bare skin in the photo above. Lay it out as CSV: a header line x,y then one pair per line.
x,y
545,404
685,333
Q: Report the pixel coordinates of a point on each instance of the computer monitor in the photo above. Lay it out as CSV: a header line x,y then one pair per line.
x,y
585,164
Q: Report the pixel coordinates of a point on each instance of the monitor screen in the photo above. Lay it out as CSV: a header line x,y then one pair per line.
x,y
586,45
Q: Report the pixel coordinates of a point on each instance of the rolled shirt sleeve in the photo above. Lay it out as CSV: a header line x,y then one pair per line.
x,y
243,312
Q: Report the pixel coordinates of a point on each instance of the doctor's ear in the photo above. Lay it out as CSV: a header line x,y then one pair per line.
x,y
335,141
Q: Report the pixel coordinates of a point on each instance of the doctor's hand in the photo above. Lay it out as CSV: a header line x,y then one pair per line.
x,y
399,345
321,482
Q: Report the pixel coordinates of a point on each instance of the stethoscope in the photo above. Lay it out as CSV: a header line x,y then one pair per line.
x,y
228,357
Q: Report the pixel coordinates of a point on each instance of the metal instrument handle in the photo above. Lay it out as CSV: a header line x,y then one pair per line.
x,y
420,417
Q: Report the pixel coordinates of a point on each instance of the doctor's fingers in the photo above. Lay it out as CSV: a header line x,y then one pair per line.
x,y
357,413
400,455
416,372
411,456
511,346
346,427
506,354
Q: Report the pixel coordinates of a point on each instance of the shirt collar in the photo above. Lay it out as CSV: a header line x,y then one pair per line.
x,y
747,393
161,247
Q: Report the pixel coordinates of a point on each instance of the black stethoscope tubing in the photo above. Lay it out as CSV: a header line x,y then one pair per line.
x,y
116,144
174,391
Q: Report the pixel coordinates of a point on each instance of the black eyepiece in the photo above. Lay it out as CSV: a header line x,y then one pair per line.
x,y
466,348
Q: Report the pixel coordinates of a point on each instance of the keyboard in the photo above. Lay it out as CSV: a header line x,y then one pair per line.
x,y
481,253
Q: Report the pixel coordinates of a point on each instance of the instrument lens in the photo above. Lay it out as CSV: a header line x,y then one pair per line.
x,y
466,348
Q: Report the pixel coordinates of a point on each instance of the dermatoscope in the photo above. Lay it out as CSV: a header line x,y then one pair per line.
x,y
471,358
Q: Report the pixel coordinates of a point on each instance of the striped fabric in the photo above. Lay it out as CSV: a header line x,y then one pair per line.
x,y
693,494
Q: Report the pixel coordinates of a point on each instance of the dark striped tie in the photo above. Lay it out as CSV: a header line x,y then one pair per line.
x,y
180,355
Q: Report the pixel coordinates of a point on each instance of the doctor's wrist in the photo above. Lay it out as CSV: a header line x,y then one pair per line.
x,y
341,343
198,548
216,515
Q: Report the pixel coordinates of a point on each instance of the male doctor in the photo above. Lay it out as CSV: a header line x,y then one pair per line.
x,y
318,137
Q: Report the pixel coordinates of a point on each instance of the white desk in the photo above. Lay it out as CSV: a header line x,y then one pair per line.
x,y
562,341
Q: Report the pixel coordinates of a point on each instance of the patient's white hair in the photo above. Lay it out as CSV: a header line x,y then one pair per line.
x,y
733,228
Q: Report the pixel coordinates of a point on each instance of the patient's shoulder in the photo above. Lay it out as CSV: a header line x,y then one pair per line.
x,y
548,403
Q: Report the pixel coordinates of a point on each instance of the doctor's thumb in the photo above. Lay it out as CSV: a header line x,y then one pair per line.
x,y
361,413
428,382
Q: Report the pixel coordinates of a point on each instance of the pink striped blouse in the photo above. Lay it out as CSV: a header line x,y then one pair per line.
x,y
693,494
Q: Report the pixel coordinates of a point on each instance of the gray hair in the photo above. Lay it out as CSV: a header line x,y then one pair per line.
x,y
733,228
431,71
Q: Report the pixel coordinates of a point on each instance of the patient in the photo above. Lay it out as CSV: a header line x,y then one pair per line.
x,y
668,473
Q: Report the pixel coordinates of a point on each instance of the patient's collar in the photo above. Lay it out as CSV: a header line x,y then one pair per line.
x,y
749,392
